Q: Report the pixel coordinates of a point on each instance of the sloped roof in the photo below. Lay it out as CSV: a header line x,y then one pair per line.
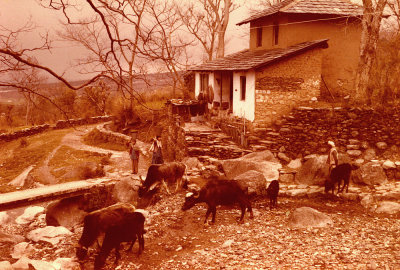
x,y
245,60
326,7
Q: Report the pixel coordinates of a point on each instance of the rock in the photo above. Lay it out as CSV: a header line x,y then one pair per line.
x,y
381,145
192,162
66,264
12,238
295,164
352,146
6,265
30,214
349,196
21,264
4,218
263,162
364,145
359,162
368,201
126,191
85,170
369,154
50,234
19,181
297,192
372,174
388,207
41,265
22,249
354,142
354,153
283,157
308,217
388,165
66,212
254,181
313,172
227,243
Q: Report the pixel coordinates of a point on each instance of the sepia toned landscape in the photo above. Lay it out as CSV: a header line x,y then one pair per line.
x,y
205,134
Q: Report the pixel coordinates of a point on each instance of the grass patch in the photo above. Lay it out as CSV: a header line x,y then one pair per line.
x,y
67,158
95,138
17,156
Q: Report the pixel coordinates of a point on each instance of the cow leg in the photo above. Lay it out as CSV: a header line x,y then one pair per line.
x,y
132,243
165,186
117,255
243,210
178,184
214,212
141,243
207,214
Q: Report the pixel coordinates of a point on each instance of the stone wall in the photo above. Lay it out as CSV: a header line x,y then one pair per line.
x,y
59,125
361,133
287,84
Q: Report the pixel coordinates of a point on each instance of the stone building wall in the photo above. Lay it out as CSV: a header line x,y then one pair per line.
x,y
285,85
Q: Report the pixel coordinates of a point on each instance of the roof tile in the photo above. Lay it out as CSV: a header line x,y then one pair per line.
x,y
247,59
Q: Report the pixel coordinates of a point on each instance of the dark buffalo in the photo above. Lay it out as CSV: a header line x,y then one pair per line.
x,y
272,193
97,222
160,173
130,228
219,192
339,173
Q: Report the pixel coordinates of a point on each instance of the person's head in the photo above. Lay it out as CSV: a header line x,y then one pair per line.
x,y
133,140
331,144
158,137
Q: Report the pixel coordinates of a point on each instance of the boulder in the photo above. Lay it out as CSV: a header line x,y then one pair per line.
x,y
30,214
381,145
388,207
254,181
41,265
263,162
66,212
354,153
368,201
66,263
4,218
371,174
283,157
313,172
21,264
22,249
308,217
192,162
295,164
126,190
6,265
50,234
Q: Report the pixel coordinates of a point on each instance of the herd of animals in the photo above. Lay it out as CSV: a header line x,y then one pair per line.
x,y
123,223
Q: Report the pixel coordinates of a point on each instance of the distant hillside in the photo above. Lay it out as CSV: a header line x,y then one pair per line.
x,y
149,82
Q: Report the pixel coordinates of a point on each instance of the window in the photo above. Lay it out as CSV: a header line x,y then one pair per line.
x,y
275,34
242,87
259,37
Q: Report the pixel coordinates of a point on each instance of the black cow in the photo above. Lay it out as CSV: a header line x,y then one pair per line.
x,y
339,173
272,193
159,173
127,230
219,192
97,222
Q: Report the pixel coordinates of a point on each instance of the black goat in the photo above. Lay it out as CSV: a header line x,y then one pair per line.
x,y
219,192
130,228
272,193
339,173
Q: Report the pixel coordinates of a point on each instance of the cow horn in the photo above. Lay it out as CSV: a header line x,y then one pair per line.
x,y
141,179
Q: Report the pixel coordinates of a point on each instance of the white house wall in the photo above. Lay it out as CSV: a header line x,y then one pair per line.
x,y
244,108
197,84
211,82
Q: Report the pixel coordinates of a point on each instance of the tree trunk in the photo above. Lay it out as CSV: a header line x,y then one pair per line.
x,y
371,23
222,29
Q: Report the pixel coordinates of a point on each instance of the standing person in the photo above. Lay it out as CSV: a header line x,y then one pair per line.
x,y
156,148
134,154
333,157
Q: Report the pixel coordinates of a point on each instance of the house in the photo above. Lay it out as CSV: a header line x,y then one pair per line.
x,y
299,49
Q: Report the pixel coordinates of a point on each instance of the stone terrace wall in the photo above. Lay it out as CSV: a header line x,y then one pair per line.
x,y
284,85
361,133
59,125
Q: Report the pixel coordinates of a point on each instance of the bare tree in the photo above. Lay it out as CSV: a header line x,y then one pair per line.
x,y
371,23
207,21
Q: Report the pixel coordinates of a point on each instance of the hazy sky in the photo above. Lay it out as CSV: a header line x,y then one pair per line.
x,y
15,13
